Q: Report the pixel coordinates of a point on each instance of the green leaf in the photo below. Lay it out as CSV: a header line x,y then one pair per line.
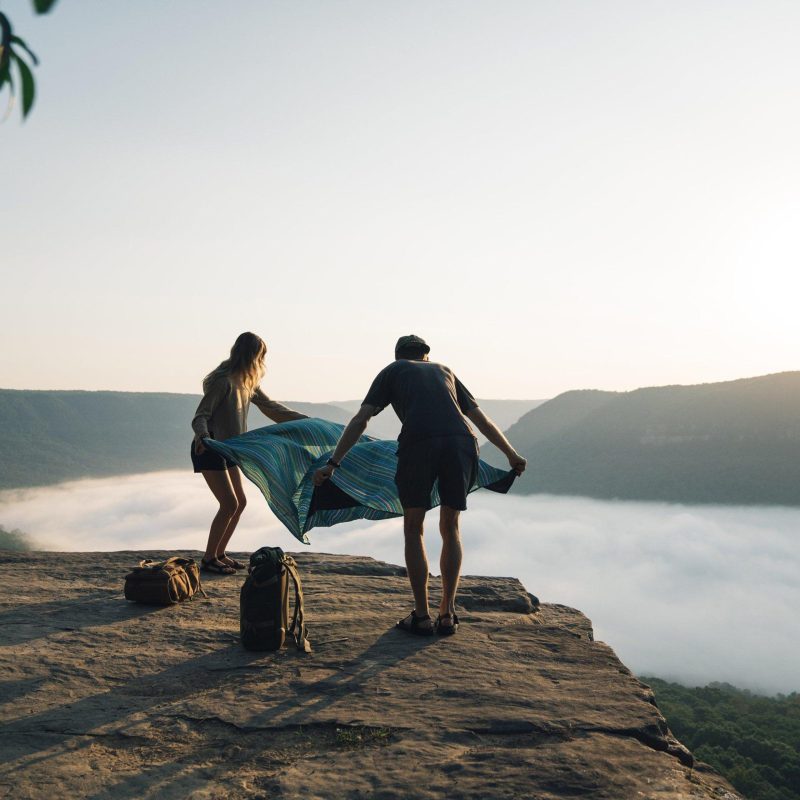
x,y
5,74
16,40
11,96
5,39
5,26
43,6
28,85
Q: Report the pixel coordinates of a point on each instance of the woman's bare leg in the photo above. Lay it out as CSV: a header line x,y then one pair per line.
x,y
236,482
220,484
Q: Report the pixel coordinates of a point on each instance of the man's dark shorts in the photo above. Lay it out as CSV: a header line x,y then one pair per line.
x,y
451,459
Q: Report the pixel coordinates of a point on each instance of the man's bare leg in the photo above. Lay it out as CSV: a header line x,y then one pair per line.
x,y
449,563
416,558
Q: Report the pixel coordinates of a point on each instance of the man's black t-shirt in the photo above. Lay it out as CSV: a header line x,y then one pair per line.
x,y
427,397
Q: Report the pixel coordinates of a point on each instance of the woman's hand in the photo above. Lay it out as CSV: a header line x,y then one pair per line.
x,y
199,447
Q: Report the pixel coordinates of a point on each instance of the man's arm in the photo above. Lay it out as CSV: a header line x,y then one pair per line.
x,y
351,434
498,439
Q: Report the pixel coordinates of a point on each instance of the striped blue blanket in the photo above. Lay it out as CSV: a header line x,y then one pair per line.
x,y
280,459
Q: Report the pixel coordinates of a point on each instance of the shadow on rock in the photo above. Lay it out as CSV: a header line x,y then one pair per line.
x,y
37,620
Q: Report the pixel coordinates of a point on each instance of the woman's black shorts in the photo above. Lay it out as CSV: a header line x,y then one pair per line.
x,y
208,460
452,460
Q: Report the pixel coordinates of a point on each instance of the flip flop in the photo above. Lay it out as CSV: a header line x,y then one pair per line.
x,y
216,566
446,630
414,625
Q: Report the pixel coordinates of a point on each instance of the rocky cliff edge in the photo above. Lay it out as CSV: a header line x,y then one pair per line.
x,y
101,698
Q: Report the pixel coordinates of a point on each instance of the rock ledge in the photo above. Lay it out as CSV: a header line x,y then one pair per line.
x,y
106,699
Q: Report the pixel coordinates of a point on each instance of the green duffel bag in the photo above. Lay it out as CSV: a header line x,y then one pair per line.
x,y
264,617
163,583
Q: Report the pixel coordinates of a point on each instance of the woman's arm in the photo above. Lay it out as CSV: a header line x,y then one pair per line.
x,y
273,409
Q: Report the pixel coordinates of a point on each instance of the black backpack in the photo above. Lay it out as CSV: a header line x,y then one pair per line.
x,y
264,603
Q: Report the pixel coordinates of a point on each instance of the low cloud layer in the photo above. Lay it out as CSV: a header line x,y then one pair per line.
x,y
691,593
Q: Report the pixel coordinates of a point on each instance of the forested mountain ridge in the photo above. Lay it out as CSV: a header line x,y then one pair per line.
x,y
386,425
731,442
53,436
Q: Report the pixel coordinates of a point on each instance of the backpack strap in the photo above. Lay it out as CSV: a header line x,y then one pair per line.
x,y
297,629
169,565
173,561
196,574
173,595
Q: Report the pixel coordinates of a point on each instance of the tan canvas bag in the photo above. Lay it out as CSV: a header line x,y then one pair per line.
x,y
163,583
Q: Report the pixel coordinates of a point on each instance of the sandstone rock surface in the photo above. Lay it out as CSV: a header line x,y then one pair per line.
x,y
101,698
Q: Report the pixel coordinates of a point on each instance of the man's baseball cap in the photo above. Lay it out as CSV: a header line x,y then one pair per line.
x,y
411,341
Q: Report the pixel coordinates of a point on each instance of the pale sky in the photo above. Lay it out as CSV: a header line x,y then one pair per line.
x,y
556,195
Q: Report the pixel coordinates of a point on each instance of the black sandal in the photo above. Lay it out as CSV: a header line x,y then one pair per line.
x,y
414,625
446,630
216,566
232,562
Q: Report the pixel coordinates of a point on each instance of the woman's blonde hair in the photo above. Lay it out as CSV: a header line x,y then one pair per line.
x,y
245,367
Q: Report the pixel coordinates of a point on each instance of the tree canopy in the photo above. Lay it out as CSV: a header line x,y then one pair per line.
x,y
17,60
754,741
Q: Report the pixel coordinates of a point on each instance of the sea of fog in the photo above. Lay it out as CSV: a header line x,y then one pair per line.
x,y
689,593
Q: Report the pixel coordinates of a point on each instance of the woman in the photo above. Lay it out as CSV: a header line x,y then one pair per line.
x,y
222,414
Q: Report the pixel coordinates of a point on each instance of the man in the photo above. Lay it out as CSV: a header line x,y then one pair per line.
x,y
436,441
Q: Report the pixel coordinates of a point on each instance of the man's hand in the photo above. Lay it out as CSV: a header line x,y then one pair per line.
x,y
517,463
350,436
321,475
199,447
